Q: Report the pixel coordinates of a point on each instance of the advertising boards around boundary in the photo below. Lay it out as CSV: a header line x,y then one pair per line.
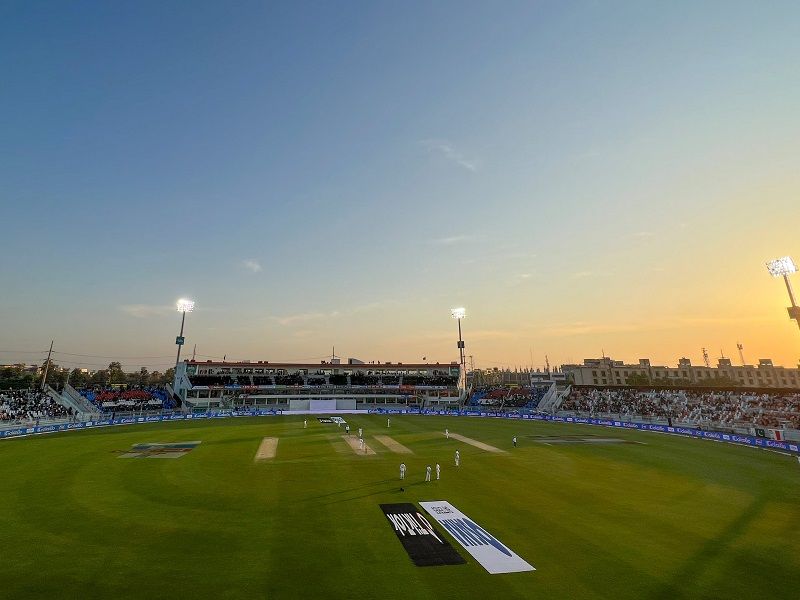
x,y
482,545
425,545
685,431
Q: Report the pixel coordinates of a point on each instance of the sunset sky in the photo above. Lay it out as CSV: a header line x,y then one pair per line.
x,y
581,176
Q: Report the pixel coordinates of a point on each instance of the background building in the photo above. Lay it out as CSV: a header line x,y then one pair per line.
x,y
609,372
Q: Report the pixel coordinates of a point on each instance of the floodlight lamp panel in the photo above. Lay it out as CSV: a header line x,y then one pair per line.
x,y
184,305
780,267
458,313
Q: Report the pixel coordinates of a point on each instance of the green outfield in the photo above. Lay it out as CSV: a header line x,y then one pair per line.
x,y
666,517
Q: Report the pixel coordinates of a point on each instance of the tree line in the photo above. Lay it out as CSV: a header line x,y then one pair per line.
x,y
17,377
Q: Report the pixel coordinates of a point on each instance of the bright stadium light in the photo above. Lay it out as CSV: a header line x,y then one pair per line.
x,y
780,267
783,267
183,305
458,313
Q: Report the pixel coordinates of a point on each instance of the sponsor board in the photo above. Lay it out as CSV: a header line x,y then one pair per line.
x,y
493,555
338,420
324,420
175,450
426,545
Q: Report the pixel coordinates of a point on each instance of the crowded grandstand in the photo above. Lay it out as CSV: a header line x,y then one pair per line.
x,y
707,408
29,406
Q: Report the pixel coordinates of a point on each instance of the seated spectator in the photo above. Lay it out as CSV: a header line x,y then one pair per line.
x,y
28,406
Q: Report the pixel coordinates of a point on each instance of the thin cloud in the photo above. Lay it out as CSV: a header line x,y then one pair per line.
x,y
582,274
449,152
582,328
522,278
145,311
251,264
643,234
458,239
662,324
302,318
289,320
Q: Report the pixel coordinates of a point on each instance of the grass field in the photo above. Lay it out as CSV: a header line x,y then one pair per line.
x,y
664,518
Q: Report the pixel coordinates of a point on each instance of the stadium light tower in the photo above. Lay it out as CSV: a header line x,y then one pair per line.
x,y
458,314
183,305
783,267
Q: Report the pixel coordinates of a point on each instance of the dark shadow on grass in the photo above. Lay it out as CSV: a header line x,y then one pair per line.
x,y
352,489
682,581
395,489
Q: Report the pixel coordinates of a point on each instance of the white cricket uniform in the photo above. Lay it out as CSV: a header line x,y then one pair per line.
x,y
305,424
458,458
447,433
402,470
428,473
388,422
438,471
360,432
514,439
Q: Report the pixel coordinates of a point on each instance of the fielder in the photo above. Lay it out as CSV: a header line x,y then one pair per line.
x,y
305,423
428,473
388,422
447,433
360,432
514,439
458,458
347,429
402,471
438,471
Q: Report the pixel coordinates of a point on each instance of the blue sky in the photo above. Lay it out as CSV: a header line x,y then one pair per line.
x,y
582,176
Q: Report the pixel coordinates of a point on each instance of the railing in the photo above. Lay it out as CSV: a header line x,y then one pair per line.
x,y
82,404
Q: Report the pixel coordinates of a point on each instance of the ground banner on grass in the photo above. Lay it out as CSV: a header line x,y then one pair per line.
x,y
482,545
175,450
426,545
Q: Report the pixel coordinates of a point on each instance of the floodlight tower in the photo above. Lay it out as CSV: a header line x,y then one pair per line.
x,y
783,267
183,305
458,314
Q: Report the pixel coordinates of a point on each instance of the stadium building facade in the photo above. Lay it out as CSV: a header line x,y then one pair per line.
x,y
325,386
614,373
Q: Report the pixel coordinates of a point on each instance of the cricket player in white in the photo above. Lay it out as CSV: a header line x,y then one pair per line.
x,y
402,471
305,423
458,458
514,439
360,432
388,423
428,473
438,471
361,443
447,433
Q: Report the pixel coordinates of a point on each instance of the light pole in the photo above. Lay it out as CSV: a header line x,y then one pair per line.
x,y
458,314
183,307
783,267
